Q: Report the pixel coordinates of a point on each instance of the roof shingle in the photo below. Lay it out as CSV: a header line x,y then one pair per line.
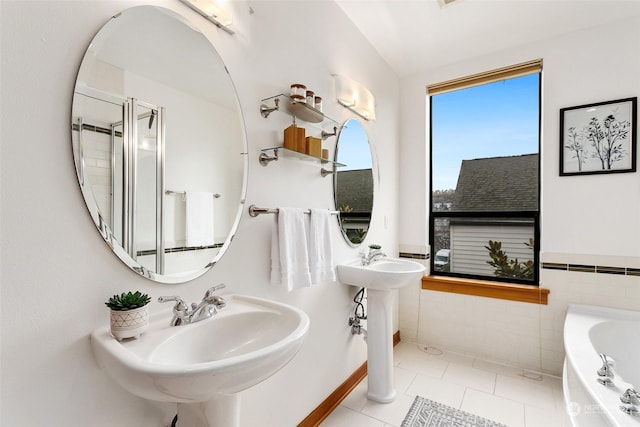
x,y
498,184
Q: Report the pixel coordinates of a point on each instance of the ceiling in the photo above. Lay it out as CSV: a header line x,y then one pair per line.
x,y
417,35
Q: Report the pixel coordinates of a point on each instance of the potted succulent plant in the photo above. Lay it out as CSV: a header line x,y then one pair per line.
x,y
129,314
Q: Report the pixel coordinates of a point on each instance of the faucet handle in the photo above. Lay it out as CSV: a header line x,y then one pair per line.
x,y
180,305
631,397
607,364
212,289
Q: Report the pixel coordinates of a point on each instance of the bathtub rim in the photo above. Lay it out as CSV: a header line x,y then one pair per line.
x,y
584,360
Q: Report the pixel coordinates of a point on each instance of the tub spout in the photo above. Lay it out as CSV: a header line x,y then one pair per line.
x,y
607,364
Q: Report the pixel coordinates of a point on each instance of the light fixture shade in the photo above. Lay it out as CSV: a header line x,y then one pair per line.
x,y
355,96
217,11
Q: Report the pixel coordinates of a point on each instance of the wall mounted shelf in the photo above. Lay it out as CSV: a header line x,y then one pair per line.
x,y
299,109
265,158
295,108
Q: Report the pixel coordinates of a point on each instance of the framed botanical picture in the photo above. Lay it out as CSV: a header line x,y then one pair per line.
x,y
598,138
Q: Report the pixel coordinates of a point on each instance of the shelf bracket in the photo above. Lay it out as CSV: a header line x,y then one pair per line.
x,y
265,110
324,172
265,159
326,135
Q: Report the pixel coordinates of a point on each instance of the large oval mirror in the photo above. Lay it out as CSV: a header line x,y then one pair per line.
x,y
159,144
353,184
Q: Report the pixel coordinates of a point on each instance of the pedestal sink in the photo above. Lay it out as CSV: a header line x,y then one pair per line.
x,y
201,366
380,278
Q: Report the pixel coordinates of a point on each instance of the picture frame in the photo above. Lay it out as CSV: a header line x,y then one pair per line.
x,y
598,138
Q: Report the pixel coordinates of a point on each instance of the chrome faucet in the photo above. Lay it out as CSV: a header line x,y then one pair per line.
x,y
207,308
630,397
209,305
605,373
372,255
605,370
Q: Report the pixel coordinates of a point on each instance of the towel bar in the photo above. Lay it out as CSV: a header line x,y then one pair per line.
x,y
254,211
216,195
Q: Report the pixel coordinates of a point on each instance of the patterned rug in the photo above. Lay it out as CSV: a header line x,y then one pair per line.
x,y
427,413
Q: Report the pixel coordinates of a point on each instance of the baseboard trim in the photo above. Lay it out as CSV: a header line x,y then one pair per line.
x,y
330,403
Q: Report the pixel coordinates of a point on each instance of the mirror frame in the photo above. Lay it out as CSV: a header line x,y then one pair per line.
x,y
87,191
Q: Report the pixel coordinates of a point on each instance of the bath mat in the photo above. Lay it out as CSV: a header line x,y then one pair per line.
x,y
427,413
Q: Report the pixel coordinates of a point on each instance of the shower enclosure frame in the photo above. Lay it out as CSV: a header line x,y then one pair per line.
x,y
130,176
129,185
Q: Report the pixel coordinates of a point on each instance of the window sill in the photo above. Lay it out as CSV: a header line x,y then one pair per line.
x,y
508,291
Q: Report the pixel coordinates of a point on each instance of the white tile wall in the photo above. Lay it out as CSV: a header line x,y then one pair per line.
x,y
414,249
514,333
98,169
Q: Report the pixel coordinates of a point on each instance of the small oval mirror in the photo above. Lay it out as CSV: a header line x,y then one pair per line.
x,y
353,184
159,144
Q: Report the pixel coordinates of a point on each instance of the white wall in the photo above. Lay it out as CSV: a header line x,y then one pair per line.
x,y
593,220
57,272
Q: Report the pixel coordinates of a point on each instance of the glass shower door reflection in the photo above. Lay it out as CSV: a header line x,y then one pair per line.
x,y
147,190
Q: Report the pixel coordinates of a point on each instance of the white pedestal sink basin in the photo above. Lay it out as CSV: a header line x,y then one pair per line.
x,y
384,274
380,278
202,365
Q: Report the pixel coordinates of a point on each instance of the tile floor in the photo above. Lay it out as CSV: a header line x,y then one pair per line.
x,y
501,393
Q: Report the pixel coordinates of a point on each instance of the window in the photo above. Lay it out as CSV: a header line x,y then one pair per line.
x,y
484,175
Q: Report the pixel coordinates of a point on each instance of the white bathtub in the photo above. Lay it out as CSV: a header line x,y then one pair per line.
x,y
589,331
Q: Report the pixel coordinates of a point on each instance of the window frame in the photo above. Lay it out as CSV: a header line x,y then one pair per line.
x,y
535,215
517,70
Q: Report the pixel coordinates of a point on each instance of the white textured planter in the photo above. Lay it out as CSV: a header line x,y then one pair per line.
x,y
130,323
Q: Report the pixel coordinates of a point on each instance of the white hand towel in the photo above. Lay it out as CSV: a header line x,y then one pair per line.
x,y
276,271
199,218
289,250
320,248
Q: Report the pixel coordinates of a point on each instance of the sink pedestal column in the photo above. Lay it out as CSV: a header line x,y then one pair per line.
x,y
223,411
380,346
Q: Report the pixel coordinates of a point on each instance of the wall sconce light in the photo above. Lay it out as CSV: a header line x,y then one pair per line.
x,y
356,97
216,11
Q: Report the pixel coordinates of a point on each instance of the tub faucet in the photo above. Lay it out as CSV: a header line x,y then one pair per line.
x,y
630,397
207,308
373,254
607,364
630,410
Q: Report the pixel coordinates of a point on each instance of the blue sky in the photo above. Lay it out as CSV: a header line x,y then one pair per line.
x,y
353,147
496,119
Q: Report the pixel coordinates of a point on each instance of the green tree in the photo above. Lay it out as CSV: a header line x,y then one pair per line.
x,y
509,268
